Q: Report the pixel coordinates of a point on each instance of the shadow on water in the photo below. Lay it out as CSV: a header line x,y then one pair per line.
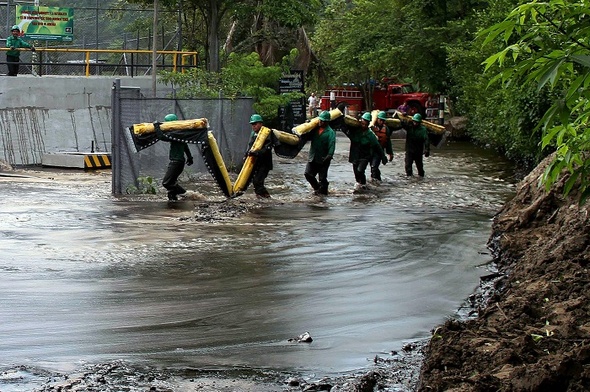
x,y
88,278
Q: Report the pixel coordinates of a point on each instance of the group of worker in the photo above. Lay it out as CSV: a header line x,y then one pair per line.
x,y
369,146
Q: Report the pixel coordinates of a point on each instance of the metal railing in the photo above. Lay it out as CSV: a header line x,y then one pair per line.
x,y
87,62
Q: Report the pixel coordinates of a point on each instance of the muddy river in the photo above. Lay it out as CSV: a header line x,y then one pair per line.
x,y
88,278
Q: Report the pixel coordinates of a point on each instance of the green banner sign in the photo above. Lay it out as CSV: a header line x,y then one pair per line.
x,y
45,23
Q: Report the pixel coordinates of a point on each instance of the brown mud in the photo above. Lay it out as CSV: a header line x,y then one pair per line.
x,y
533,331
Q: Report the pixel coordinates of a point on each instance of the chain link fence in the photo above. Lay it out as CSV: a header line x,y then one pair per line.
x,y
103,29
228,120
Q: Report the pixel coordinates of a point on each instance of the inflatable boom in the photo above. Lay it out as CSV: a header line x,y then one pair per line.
x,y
309,126
188,131
192,132
245,175
216,165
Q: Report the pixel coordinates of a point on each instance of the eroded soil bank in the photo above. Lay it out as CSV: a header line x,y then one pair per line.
x,y
533,333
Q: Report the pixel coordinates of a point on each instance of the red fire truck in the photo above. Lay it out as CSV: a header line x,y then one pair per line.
x,y
386,96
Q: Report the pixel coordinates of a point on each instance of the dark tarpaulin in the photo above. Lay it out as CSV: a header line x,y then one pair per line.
x,y
290,151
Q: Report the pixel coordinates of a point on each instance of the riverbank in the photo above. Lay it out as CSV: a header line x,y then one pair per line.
x,y
533,333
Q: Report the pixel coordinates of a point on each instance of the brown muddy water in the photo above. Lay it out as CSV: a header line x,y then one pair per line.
x,y
88,278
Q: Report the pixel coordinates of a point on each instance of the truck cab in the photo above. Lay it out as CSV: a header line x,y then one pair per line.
x,y
397,94
386,96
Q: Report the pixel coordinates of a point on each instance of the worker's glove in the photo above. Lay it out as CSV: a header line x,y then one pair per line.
x,y
327,159
427,153
384,160
253,153
33,49
390,157
12,48
189,161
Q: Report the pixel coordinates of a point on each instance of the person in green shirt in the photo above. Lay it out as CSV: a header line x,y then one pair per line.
x,y
363,146
321,151
15,42
263,164
417,144
177,162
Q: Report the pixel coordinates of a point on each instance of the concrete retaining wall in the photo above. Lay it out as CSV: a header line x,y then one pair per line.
x,y
52,114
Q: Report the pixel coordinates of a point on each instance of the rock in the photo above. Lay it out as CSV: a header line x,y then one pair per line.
x,y
457,127
5,166
303,338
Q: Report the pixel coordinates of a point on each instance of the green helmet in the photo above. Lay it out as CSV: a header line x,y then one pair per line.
x,y
325,116
367,116
170,117
417,117
255,118
382,115
15,27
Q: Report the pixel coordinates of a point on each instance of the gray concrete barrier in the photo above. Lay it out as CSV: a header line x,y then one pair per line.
x,y
53,114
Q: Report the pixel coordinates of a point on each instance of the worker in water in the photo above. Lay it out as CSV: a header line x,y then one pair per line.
x,y
363,145
383,133
321,151
263,164
176,155
15,42
417,144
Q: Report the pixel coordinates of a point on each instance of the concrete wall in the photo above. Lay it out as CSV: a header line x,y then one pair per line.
x,y
58,114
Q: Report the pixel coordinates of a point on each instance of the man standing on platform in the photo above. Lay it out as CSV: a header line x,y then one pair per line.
x,y
15,42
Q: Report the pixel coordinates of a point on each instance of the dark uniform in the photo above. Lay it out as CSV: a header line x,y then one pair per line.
x,y
321,151
417,145
262,166
363,146
176,165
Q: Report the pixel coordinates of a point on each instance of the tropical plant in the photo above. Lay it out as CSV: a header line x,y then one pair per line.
x,y
546,46
243,76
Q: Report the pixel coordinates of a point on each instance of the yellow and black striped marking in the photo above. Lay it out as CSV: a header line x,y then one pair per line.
x,y
97,161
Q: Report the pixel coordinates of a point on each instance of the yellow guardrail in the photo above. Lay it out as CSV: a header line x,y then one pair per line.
x,y
187,59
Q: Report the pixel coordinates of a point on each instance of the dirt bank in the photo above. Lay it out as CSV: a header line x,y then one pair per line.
x,y
533,333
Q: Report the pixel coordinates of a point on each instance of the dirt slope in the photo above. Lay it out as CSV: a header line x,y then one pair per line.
x,y
534,332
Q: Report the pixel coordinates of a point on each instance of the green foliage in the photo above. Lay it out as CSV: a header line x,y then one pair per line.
x,y
407,40
243,76
545,46
146,185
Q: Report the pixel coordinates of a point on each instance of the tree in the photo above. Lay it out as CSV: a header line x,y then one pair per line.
x,y
266,26
546,46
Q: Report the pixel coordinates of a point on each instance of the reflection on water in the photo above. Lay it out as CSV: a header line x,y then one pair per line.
x,y
89,278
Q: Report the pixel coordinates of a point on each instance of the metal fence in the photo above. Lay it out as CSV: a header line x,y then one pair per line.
x,y
86,62
228,120
113,50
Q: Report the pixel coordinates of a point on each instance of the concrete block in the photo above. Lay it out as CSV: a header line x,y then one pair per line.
x,y
77,160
